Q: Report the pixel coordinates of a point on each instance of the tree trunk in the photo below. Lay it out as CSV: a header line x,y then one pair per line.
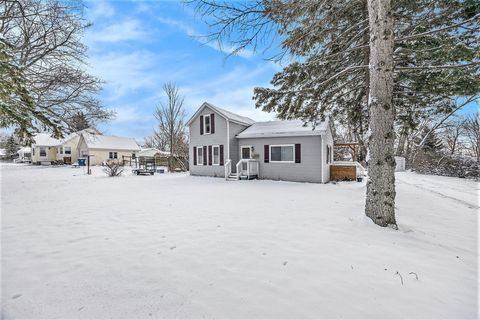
x,y
380,202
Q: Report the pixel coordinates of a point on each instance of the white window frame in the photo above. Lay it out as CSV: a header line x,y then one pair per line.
x,y
69,149
281,145
205,124
40,151
200,163
114,155
213,155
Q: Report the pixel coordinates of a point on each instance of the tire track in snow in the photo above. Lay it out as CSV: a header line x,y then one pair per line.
x,y
463,202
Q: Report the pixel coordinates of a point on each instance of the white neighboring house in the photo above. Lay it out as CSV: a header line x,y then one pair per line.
x,y
24,155
101,148
44,148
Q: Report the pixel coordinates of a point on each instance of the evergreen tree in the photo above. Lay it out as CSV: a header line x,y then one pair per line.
x,y
79,122
11,147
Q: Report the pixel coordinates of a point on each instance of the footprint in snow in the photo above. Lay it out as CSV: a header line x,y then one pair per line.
x,y
171,248
17,296
81,308
285,263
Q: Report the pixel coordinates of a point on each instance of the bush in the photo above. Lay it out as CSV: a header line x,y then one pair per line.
x,y
113,169
446,165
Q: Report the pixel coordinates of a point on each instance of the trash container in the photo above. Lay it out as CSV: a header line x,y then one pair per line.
x,y
81,162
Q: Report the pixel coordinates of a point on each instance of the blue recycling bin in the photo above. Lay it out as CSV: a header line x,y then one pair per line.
x,y
81,162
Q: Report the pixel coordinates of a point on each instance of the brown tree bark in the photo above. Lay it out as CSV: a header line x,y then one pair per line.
x,y
380,202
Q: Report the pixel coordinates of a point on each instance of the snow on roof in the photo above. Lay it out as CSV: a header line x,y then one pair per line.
x,y
98,141
76,134
232,116
282,128
3,152
225,113
45,140
24,150
150,152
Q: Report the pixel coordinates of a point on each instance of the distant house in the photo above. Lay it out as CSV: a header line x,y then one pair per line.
x,y
44,148
224,144
24,154
79,145
101,148
153,152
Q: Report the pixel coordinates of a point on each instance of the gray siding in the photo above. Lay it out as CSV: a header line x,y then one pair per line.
x,y
224,135
310,168
235,129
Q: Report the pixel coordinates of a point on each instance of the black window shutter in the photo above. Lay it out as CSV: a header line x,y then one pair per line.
x,y
266,153
298,153
194,156
221,154
204,155
209,155
212,123
201,124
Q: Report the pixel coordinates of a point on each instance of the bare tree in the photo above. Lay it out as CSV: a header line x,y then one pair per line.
x,y
45,38
171,133
472,130
452,134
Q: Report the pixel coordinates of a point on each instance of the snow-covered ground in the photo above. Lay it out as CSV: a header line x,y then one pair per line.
x,y
175,246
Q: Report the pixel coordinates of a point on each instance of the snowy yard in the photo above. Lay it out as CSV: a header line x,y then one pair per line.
x,y
175,246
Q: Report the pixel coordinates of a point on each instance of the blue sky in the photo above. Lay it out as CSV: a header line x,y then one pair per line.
x,y
135,47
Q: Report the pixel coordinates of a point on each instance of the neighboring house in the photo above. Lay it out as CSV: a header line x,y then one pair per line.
x,y
153,152
68,150
102,148
24,154
224,144
44,148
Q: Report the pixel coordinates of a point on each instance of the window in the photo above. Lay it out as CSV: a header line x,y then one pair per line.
x,y
43,152
61,150
112,155
134,155
84,153
282,153
206,120
33,151
216,155
329,154
68,150
200,156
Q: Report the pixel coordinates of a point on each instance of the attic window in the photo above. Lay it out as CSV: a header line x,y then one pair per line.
x,y
206,120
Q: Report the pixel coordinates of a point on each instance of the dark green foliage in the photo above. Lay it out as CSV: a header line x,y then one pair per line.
x,y
78,122
11,147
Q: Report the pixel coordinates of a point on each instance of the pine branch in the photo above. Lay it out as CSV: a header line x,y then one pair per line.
x,y
437,30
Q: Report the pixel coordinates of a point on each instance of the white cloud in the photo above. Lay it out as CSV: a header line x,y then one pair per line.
x,y
101,9
191,32
125,72
127,30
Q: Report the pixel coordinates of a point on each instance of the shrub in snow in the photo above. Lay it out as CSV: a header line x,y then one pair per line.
x,y
113,168
446,165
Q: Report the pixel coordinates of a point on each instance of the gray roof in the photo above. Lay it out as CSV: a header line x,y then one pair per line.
x,y
283,128
225,113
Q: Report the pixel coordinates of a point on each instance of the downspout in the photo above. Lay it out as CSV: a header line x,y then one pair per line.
x,y
321,157
228,140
